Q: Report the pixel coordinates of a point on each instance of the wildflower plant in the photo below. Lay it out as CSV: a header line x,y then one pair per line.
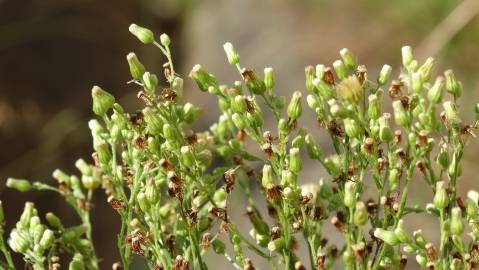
x,y
172,196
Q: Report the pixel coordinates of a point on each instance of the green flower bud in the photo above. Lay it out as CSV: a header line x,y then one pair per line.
x,y
177,86
409,249
90,182
218,246
348,59
136,67
454,169
456,264
83,167
340,69
426,69
349,259
143,34
393,178
443,158
204,158
385,132
267,178
153,121
473,196
18,241
2,213
187,156
388,237
283,127
453,86
253,82
47,239
441,198
472,210
456,225
313,149
421,260
452,115
150,81
350,194
401,233
352,128
102,100
143,202
350,89
360,214
324,90
53,220
295,163
269,79
319,71
103,151
277,244
76,263
169,133
289,178
309,72
407,56
435,92
294,107
400,114
165,40
374,107
202,78
239,121
333,165
231,53
238,104
19,184
312,101
416,83
220,198
384,75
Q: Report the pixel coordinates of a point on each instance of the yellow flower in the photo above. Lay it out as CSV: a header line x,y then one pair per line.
x,y
350,89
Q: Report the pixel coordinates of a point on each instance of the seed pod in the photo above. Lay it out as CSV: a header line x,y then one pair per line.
x,y
350,194
401,233
294,107
340,69
313,149
295,163
435,92
348,59
441,198
19,184
143,34
384,75
102,100
231,53
360,214
453,86
400,114
388,237
203,79
136,67
426,69
269,79
456,226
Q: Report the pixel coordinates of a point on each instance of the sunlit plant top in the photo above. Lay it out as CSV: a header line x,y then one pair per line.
x,y
171,186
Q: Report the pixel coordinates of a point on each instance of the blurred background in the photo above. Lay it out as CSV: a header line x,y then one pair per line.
x,y
53,51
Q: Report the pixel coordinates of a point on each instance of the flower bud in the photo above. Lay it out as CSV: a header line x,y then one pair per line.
x,y
456,226
239,121
19,184
426,69
294,107
313,149
388,237
231,53
76,263
435,92
324,90
47,239
312,101
421,260
352,128
407,56
443,158
416,83
269,79
309,72
267,178
340,69
384,75
455,168
319,71
187,156
350,89
102,100
453,86
218,246
400,114
143,34
169,133
350,194
401,233
238,104
348,59
393,178
295,163
253,82
289,178
472,210
136,67
53,220
18,241
165,40
153,121
276,245
473,196
220,198
385,132
103,151
451,113
441,199
374,107
333,165
360,214
143,201
150,81
90,182
202,78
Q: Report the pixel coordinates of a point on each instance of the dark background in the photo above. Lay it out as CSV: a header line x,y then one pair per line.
x,y
53,51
